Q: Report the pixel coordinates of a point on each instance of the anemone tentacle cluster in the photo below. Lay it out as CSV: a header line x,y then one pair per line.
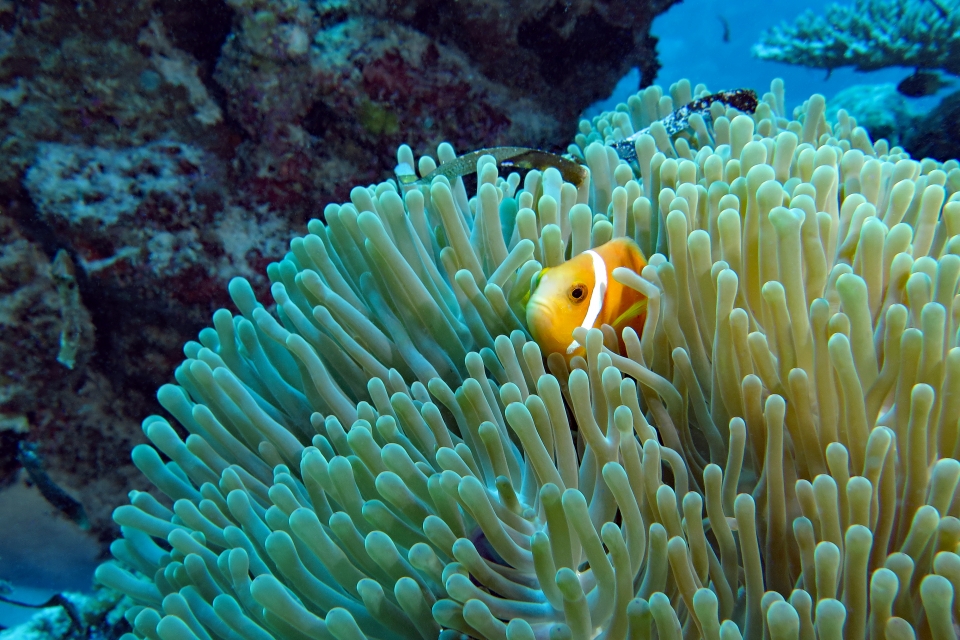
x,y
387,453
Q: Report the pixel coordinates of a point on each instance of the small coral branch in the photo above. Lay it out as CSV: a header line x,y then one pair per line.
x,y
869,35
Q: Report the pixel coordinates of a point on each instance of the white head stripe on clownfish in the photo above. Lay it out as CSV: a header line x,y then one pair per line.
x,y
596,296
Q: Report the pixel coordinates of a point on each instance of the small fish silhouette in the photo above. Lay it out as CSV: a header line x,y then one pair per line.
x,y
726,28
28,456
921,83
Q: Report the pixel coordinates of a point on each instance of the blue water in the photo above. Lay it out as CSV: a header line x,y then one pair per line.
x,y
691,46
40,554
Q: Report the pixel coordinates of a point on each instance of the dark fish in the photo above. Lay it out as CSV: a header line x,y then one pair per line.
x,y
921,83
510,157
726,28
744,100
63,501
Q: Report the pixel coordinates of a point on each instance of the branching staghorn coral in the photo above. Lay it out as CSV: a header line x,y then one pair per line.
x,y
388,455
869,35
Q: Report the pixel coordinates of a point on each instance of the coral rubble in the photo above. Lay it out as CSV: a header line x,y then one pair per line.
x,y
386,453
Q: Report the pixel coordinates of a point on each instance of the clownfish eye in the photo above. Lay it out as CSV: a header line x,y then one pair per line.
x,y
578,293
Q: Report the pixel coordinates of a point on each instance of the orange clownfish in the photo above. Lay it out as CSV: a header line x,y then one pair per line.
x,y
583,293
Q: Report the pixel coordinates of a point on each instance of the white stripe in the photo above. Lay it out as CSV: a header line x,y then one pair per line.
x,y
596,296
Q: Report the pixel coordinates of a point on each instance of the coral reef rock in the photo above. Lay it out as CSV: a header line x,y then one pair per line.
x,y
326,91
152,230
937,134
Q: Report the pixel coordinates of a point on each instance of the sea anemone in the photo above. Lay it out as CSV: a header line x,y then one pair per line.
x,y
388,454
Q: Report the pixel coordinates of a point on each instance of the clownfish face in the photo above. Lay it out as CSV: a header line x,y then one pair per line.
x,y
581,292
566,297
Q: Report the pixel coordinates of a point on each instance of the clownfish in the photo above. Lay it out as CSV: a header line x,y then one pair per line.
x,y
582,292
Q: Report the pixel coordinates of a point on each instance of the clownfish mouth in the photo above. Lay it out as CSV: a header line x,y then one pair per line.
x,y
540,319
